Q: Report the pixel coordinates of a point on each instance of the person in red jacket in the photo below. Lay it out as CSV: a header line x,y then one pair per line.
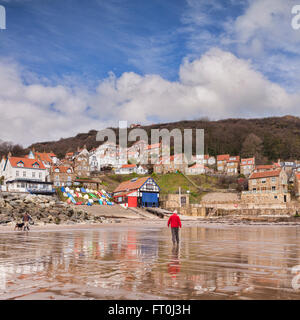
x,y
175,222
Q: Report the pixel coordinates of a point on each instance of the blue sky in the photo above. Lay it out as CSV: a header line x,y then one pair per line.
x,y
92,63
89,39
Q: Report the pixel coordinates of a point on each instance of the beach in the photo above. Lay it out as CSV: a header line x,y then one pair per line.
x,y
135,259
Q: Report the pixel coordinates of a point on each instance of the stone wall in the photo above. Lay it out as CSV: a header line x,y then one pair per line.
x,y
43,209
265,197
173,201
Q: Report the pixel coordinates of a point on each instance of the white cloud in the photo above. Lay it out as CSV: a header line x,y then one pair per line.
x,y
217,85
259,30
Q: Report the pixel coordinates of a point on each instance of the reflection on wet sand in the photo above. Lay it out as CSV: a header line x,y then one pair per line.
x,y
141,263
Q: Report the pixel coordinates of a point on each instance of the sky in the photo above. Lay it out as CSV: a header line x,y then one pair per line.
x,y
69,66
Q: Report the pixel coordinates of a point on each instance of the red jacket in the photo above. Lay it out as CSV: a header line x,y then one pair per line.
x,y
175,221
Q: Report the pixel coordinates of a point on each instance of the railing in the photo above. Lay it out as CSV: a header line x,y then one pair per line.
x,y
263,192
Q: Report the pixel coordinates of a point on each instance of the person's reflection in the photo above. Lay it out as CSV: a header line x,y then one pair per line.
x,y
174,265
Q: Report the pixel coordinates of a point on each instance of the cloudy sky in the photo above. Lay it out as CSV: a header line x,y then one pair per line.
x,y
69,66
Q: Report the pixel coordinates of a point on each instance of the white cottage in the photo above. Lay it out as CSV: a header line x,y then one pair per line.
x,y
25,175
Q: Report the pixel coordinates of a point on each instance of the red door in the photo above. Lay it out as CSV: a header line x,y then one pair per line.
x,y
132,202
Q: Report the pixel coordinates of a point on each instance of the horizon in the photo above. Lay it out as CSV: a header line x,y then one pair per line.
x,y
68,67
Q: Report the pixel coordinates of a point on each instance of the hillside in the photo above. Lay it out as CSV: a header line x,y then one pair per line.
x,y
268,138
170,183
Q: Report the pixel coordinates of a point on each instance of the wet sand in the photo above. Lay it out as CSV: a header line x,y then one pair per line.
x,y
136,260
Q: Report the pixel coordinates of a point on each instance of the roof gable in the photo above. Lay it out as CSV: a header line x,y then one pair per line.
x,y
132,184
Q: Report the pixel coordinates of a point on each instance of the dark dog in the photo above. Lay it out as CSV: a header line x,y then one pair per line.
x,y
19,226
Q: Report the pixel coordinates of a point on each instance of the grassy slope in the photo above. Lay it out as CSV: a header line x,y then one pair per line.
x,y
169,183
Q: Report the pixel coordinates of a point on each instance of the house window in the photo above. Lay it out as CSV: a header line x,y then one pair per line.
x,y
254,189
33,174
273,188
273,179
263,180
40,175
17,173
24,174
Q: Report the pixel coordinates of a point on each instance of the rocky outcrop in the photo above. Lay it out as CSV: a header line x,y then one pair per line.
x,y
43,210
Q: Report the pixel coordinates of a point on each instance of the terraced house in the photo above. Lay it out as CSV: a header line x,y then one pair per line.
x,y
233,165
267,186
247,166
222,162
62,175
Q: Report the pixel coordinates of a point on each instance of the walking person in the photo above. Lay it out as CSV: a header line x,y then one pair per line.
x,y
26,219
175,222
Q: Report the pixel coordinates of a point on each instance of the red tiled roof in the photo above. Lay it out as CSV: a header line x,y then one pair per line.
x,y
265,174
265,166
223,157
128,165
131,185
197,165
43,156
28,163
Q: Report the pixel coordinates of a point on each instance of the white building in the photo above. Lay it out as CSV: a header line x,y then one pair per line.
x,y
105,155
126,169
195,169
25,175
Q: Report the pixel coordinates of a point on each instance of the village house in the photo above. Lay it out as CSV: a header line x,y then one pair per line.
x,y
206,159
247,166
126,169
153,152
105,155
25,175
267,187
142,192
233,165
61,176
275,180
94,165
48,159
131,168
288,166
69,156
195,169
171,164
266,167
222,162
297,185
81,163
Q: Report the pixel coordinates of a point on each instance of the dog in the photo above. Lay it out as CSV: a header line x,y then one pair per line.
x,y
19,226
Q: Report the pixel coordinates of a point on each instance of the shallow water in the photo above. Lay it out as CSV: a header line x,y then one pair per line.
x,y
121,262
